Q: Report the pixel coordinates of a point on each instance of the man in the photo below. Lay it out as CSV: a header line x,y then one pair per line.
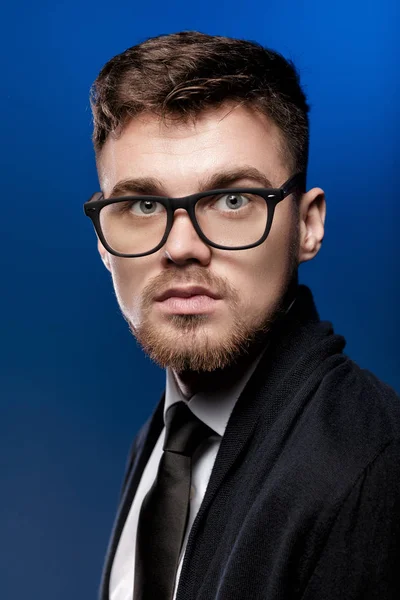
x,y
271,467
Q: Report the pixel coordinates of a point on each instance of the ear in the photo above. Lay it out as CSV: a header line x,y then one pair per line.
x,y
105,257
312,209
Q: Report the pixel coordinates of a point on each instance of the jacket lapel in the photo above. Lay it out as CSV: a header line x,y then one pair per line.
x,y
139,455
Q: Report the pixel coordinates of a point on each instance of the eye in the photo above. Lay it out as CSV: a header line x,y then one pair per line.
x,y
231,202
146,207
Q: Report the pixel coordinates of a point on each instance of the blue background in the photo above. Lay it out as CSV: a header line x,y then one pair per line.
x,y
74,386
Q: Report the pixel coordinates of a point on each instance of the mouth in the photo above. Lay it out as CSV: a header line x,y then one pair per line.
x,y
190,300
186,292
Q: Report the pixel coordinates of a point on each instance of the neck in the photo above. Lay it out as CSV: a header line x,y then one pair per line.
x,y
192,382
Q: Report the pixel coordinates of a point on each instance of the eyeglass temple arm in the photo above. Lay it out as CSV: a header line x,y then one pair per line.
x,y
297,182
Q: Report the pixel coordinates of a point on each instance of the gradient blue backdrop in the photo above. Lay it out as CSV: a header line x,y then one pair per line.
x,y
74,386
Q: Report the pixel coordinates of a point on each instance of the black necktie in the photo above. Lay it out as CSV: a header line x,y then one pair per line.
x,y
165,509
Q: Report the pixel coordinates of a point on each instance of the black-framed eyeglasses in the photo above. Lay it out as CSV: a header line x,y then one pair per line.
x,y
229,219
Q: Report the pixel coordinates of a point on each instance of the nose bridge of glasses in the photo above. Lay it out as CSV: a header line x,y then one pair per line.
x,y
185,207
183,226
185,202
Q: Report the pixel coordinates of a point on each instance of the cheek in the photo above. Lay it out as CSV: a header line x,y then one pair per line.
x,y
279,252
263,274
128,278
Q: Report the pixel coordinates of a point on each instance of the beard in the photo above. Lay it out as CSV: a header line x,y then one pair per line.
x,y
189,342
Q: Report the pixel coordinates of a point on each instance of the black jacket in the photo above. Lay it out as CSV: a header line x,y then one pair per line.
x,y
304,497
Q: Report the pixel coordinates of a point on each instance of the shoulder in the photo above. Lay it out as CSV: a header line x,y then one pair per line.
x,y
351,423
333,431
355,401
334,449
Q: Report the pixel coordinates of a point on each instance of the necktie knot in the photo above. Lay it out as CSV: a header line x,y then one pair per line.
x,y
184,431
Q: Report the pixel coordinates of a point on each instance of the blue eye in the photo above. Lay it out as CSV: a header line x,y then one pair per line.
x,y
146,207
231,202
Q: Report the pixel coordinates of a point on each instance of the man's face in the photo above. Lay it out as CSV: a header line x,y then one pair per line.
x,y
191,306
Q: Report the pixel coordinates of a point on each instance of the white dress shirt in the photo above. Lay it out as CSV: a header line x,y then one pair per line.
x,y
214,410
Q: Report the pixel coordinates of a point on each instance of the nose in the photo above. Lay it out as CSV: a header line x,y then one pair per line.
x,y
183,244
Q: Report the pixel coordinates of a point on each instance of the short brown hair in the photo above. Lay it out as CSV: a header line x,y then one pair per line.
x,y
181,74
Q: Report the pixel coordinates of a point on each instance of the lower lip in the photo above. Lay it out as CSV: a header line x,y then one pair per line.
x,y
193,305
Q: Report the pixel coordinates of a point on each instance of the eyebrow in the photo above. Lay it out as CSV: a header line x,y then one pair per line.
x,y
150,186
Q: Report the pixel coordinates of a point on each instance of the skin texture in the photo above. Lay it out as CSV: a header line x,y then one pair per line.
x,y
251,283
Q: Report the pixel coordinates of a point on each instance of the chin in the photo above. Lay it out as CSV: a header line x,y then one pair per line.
x,y
194,342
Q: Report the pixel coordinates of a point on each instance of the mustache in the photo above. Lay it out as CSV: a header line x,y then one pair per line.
x,y
194,275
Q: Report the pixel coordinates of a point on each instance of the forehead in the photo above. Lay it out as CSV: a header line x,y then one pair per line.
x,y
182,154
